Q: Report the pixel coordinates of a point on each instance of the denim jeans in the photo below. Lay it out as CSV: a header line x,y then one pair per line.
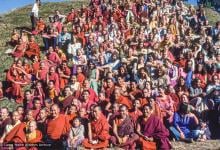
x,y
194,134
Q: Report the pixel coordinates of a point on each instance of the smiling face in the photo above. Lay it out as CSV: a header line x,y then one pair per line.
x,y
147,111
4,113
15,117
96,112
123,112
43,114
32,126
76,122
55,111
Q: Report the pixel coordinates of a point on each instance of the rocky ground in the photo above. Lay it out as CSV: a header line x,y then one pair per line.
x,y
208,145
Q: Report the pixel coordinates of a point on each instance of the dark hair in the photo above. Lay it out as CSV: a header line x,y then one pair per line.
x,y
148,105
80,119
183,109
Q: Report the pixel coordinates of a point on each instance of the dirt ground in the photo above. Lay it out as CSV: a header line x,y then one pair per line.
x,y
208,145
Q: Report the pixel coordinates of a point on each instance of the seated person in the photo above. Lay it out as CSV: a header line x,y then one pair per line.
x,y
33,48
184,124
53,56
197,96
64,38
19,49
40,27
14,132
57,127
123,129
153,134
14,38
76,134
213,92
33,135
98,130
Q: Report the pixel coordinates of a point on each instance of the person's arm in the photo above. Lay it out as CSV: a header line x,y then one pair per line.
x,y
138,130
14,49
176,125
47,78
107,107
209,89
23,71
90,132
195,119
69,50
115,131
97,75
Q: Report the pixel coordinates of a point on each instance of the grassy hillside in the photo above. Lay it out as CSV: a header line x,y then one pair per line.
x,y
20,18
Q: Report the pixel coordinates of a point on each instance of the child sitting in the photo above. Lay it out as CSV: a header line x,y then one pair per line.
x,y
76,134
205,133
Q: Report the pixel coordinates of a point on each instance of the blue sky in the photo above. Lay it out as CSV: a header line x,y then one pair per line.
x,y
7,5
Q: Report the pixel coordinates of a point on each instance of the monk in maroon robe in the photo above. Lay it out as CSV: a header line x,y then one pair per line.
x,y
123,129
153,134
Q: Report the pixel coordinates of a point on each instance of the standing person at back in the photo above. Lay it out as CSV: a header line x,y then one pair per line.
x,y
34,14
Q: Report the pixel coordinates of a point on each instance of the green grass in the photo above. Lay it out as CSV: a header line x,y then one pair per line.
x,y
20,18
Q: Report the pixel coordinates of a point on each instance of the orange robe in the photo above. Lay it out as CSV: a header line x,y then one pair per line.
x,y
35,67
64,81
71,117
37,139
125,101
58,127
135,115
15,90
55,77
16,135
33,49
40,26
80,78
147,144
33,140
100,132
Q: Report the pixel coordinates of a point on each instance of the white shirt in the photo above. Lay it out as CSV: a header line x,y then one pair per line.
x,y
35,10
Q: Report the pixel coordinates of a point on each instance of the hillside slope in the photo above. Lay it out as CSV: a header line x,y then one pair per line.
x,y
20,18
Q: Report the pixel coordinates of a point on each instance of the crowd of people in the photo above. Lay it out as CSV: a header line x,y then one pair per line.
x,y
116,73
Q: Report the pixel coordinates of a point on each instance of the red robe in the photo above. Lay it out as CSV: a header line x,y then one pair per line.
x,y
35,67
100,132
55,77
19,51
154,128
80,78
125,101
64,81
16,135
15,90
54,57
135,115
35,140
33,50
58,127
